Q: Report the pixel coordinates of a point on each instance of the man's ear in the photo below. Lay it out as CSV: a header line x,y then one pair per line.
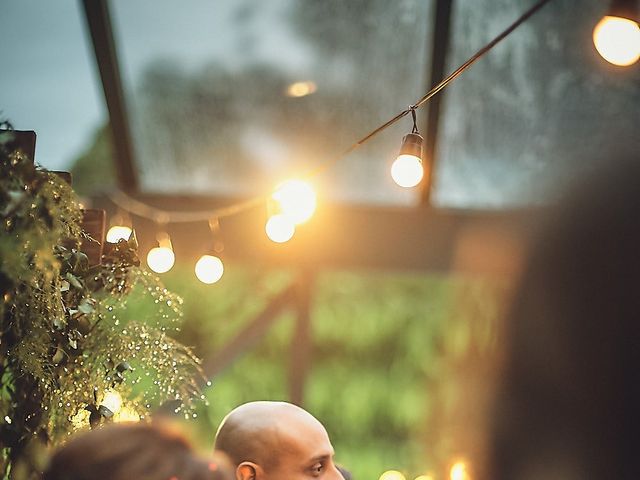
x,y
249,471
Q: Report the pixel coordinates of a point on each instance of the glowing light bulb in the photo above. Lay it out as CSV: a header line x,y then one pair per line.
x,y
459,471
407,171
617,39
161,259
209,269
118,232
112,400
301,89
280,228
392,475
126,414
296,199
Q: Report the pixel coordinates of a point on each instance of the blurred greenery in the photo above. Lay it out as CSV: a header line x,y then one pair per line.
x,y
385,350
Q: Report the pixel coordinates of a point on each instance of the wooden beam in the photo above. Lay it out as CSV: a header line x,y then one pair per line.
x,y
99,25
250,335
301,341
342,236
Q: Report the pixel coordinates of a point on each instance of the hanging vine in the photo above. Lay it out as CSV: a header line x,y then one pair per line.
x,y
67,358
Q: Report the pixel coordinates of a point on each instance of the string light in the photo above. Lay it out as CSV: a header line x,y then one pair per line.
x,y
392,475
459,471
120,228
407,170
296,199
112,400
161,258
280,228
209,268
301,89
617,35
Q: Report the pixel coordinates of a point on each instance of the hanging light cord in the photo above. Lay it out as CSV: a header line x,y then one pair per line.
x,y
141,209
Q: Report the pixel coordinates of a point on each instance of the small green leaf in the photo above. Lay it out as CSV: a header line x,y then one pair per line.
x,y
74,281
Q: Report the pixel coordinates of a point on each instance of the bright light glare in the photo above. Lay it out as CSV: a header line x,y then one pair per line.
x,y
392,475
280,228
407,171
296,199
459,471
112,400
209,269
160,259
127,414
424,477
617,40
118,232
301,89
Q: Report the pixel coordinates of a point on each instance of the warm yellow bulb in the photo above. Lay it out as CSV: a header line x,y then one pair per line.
x,y
112,400
407,171
392,475
617,39
160,259
280,228
459,471
118,232
209,269
127,414
296,199
301,89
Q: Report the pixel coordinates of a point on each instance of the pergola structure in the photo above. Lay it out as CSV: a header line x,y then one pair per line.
x,y
421,238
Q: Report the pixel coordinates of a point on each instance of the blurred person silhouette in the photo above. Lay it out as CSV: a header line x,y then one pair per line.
x,y
568,399
143,451
276,441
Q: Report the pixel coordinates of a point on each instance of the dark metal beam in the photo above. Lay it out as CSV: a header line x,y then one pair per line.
x,y
99,25
440,49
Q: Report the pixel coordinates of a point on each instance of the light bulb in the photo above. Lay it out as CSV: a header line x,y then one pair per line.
x,y
301,89
209,269
280,228
392,475
459,471
617,39
161,259
112,400
407,171
118,232
296,199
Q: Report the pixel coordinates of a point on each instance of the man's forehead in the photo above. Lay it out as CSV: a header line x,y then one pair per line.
x,y
304,439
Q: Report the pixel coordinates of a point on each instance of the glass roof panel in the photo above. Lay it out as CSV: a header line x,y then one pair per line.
x,y
538,109
230,97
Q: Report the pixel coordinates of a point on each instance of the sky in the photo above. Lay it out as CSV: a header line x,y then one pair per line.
x,y
48,81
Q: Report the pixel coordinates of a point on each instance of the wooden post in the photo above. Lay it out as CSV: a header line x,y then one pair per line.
x,y
301,342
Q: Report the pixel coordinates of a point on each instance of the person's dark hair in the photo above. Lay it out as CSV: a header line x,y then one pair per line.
x,y
569,386
133,451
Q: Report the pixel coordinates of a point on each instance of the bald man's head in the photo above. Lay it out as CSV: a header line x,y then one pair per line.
x,y
269,440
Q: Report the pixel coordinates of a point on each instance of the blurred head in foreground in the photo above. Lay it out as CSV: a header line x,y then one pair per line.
x,y
276,441
136,450
570,389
